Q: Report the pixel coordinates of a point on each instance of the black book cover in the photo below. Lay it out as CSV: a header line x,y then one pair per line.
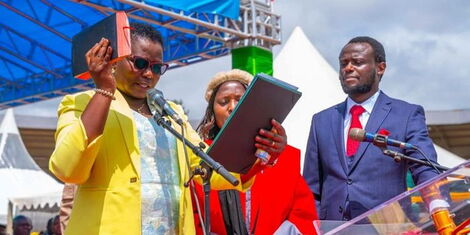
x,y
115,28
265,98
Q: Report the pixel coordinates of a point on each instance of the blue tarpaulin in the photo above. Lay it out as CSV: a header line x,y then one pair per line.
x,y
228,8
35,40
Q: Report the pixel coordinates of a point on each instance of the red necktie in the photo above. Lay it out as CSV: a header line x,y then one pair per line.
x,y
353,145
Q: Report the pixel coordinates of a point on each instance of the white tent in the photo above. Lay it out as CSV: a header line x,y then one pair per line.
x,y
48,202
20,176
299,63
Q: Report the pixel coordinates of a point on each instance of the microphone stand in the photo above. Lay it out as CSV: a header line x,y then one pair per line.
x,y
381,142
206,185
207,167
399,156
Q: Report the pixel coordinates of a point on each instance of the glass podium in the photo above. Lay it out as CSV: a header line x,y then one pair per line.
x,y
438,206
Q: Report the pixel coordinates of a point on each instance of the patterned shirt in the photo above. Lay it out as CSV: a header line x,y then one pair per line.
x,y
160,177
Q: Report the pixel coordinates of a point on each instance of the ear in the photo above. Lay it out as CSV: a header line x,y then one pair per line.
x,y
381,68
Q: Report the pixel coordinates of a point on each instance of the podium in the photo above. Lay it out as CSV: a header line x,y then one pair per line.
x,y
446,195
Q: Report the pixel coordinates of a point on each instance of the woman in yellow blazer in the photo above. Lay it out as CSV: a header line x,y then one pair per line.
x,y
99,143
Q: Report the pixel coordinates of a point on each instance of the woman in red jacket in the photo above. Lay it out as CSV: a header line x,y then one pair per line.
x,y
279,200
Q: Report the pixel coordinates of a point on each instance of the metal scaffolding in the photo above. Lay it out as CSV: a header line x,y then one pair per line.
x,y
35,61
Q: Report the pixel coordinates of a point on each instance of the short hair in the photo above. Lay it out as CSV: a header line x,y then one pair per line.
x,y
379,51
144,30
50,223
20,217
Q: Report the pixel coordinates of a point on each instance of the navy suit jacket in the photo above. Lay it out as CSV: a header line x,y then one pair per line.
x,y
343,191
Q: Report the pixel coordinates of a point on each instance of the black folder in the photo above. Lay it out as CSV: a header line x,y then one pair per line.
x,y
115,28
265,98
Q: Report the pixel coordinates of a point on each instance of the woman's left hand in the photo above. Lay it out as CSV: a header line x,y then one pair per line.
x,y
273,141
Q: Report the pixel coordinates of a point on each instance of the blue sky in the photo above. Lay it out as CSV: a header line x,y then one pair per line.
x,y
426,43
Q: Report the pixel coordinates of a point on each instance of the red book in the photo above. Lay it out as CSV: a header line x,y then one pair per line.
x,y
115,28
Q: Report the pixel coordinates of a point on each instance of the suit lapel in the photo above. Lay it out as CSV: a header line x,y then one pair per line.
x,y
379,113
338,130
123,114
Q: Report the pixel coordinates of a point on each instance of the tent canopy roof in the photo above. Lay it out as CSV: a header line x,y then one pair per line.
x,y
451,130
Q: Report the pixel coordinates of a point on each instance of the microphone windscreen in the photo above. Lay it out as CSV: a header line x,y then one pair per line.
x,y
357,134
156,97
152,92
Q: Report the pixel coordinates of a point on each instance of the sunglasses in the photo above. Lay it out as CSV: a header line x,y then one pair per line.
x,y
141,63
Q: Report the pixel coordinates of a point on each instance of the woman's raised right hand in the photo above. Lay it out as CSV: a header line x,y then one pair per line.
x,y
98,61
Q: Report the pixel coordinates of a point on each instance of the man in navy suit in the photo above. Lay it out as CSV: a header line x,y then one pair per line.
x,y
347,177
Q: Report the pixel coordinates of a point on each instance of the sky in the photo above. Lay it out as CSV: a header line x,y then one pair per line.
x,y
425,43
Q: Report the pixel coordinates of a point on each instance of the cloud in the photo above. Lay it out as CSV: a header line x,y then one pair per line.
x,y
431,67
425,41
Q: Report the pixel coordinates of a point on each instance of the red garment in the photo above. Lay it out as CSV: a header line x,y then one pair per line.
x,y
352,145
278,194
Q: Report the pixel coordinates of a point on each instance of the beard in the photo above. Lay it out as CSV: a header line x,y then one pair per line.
x,y
361,88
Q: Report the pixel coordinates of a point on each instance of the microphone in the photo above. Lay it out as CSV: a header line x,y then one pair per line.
x,y
377,139
156,97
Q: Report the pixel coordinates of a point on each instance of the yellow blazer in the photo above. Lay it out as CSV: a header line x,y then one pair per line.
x,y
107,170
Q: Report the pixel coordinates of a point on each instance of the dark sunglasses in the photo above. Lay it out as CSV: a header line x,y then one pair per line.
x,y
141,63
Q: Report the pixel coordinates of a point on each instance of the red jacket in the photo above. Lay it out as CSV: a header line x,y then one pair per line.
x,y
278,194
